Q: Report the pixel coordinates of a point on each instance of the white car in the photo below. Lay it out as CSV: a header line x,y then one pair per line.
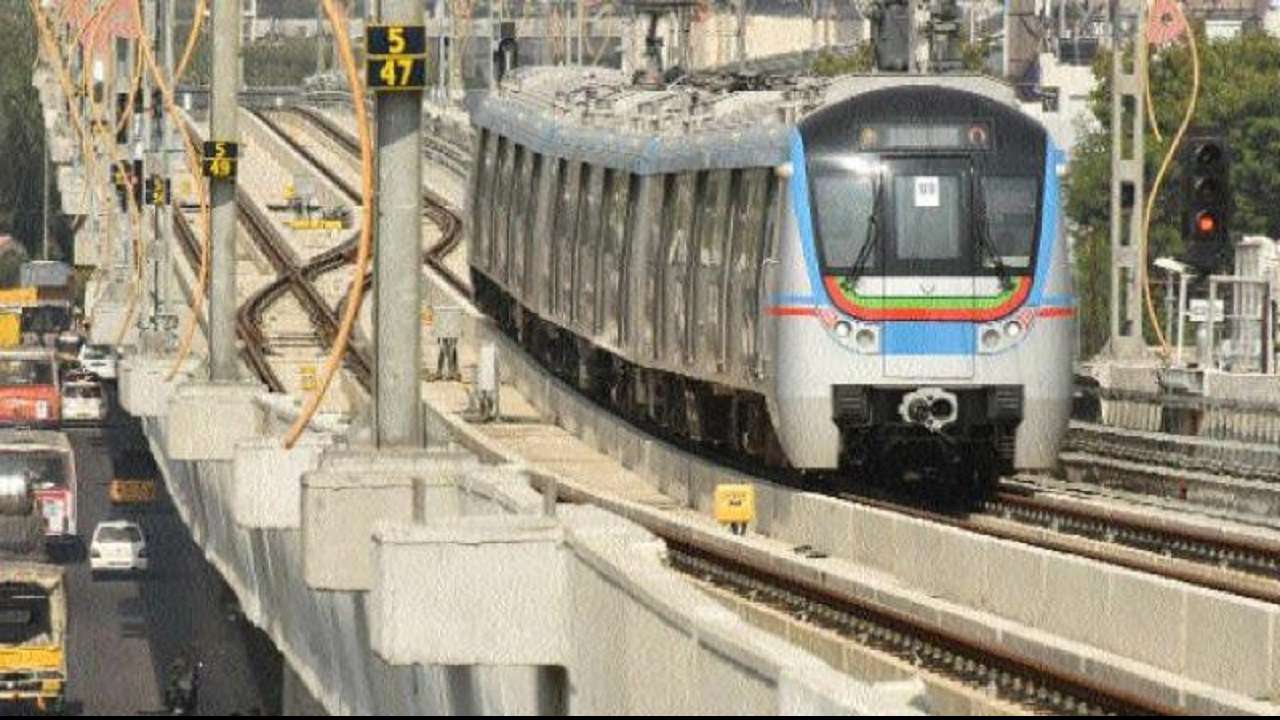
x,y
83,401
99,360
118,545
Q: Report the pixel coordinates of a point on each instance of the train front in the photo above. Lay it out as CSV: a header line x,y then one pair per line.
x,y
925,314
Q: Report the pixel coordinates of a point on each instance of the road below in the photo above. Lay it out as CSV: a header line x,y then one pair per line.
x,y
126,630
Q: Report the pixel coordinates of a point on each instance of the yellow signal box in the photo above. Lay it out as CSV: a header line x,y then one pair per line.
x,y
735,506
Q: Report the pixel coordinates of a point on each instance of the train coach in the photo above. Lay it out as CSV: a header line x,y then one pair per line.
x,y
866,275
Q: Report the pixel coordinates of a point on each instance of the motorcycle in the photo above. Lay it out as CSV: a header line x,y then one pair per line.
x,y
181,696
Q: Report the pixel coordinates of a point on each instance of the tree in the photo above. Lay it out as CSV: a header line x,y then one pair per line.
x,y
1240,97
22,141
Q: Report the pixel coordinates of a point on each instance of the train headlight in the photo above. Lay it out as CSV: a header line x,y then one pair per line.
x,y
990,339
865,340
843,329
1013,329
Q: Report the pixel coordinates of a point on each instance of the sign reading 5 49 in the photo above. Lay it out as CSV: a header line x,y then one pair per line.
x,y
220,159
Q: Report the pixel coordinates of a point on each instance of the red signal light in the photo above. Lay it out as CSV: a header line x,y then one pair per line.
x,y
1206,223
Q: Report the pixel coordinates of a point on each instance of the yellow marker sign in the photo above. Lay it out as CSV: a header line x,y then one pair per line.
x,y
289,191
315,224
308,375
735,506
220,159
428,316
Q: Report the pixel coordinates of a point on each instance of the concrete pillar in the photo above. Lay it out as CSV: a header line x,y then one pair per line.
x,y
222,128
398,255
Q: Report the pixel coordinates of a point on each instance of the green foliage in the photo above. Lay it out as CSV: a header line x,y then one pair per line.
x,y
280,62
22,136
829,64
11,259
973,55
1240,96
274,61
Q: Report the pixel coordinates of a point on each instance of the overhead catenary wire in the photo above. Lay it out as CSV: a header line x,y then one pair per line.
x,y
193,167
197,22
337,22
1174,144
54,51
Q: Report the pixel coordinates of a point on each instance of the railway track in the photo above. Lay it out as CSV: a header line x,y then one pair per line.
x,y
989,666
434,208
291,277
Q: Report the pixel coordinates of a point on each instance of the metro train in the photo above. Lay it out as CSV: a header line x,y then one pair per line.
x,y
864,279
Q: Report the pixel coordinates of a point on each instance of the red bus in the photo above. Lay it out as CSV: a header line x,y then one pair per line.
x,y
44,463
29,394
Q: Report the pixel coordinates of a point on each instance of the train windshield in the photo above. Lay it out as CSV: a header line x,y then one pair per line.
x,y
934,216
844,200
1010,205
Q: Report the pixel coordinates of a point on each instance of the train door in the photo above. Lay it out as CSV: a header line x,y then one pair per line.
x,y
928,277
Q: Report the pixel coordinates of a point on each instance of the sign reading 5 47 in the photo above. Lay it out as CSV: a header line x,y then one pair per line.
x,y
220,159
396,57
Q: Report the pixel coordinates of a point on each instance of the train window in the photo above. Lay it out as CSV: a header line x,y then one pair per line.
x,y
563,239
501,210
1011,218
926,218
617,185
688,196
843,202
749,242
588,246
652,209
480,201
518,230
712,222
540,256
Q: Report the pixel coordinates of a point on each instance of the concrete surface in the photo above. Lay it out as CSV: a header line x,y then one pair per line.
x,y
481,590
210,418
145,386
268,479
339,511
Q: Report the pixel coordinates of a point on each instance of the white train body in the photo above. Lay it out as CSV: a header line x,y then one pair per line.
x,y
860,275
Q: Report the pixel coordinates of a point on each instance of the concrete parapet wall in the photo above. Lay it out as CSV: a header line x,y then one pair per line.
x,y
144,383
209,418
631,636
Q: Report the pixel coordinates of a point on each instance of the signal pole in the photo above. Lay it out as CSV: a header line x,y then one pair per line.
x,y
164,245
1127,185
224,136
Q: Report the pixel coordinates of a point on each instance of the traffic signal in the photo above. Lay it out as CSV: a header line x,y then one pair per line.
x,y
1206,202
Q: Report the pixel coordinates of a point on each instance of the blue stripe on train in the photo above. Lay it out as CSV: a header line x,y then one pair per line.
x,y
928,338
804,218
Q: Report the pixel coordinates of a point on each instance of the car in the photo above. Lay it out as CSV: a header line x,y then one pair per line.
x,y
83,400
118,545
99,360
